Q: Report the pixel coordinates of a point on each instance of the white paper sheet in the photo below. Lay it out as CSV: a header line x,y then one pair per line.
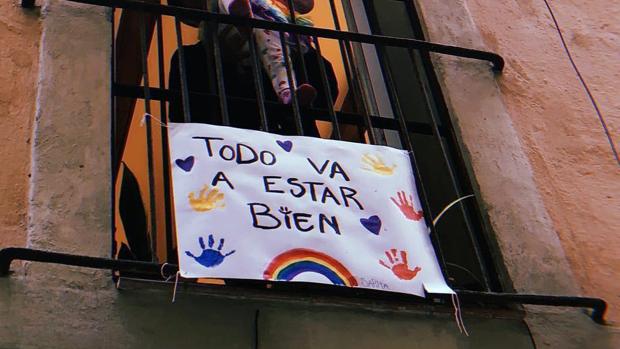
x,y
255,205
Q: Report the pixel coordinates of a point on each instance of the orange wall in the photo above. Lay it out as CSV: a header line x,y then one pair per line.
x,y
20,33
135,155
574,167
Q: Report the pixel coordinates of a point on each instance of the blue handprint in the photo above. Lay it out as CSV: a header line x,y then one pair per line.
x,y
210,257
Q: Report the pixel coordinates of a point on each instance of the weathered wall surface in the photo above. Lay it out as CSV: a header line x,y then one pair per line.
x,y
50,306
521,201
571,158
19,55
62,307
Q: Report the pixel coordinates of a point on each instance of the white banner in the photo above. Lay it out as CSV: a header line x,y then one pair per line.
x,y
255,205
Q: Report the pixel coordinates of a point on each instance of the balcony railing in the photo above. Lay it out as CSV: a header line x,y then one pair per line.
x,y
131,82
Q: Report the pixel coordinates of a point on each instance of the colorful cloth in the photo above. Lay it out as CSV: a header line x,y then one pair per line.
x,y
268,41
277,11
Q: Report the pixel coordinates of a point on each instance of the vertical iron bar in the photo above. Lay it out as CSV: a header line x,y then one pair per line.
x,y
164,141
292,84
354,84
454,182
302,59
451,171
258,82
327,90
358,87
149,138
182,72
160,66
406,142
345,58
219,74
113,157
404,137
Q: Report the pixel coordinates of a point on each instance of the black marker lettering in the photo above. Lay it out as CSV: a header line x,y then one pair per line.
x,y
302,190
312,192
302,218
261,224
232,152
349,193
328,193
267,183
208,143
337,169
322,169
221,177
240,154
263,158
333,223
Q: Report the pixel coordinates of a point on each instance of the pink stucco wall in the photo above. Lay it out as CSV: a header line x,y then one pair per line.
x,y
574,167
573,163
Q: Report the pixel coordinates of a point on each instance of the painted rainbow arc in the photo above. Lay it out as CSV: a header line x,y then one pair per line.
x,y
286,266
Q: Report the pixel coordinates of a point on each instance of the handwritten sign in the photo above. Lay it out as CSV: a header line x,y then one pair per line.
x,y
255,205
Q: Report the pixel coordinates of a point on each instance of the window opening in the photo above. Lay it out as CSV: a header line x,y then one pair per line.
x,y
189,78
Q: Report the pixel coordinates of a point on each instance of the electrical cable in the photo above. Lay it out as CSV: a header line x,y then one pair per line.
x,y
584,84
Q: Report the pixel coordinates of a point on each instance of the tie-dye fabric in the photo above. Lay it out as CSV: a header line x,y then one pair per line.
x,y
268,41
277,11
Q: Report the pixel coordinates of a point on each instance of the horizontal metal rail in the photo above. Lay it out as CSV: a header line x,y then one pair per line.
x,y
195,14
120,90
8,255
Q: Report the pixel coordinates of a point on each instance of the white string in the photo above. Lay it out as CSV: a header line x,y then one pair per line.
x,y
449,206
176,283
143,120
458,305
456,313
161,271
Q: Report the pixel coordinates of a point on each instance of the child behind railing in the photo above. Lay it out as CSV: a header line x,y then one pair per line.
x,y
270,45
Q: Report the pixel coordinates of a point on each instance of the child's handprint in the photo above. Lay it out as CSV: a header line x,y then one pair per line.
x,y
406,207
399,266
210,257
375,164
206,201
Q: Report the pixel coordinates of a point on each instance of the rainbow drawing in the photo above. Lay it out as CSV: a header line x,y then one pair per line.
x,y
286,266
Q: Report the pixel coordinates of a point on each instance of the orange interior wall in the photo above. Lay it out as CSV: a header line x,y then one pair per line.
x,y
135,154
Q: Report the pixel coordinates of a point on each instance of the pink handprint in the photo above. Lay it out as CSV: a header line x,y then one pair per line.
x,y
406,207
399,266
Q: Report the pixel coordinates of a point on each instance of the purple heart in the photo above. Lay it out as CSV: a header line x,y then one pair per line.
x,y
286,145
372,223
186,164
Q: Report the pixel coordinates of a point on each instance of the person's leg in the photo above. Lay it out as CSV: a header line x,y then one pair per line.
x,y
272,57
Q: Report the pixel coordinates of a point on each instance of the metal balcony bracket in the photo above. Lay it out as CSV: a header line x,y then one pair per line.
x,y
7,255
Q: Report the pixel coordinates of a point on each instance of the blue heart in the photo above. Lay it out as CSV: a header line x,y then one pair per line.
x,y
372,223
286,145
186,164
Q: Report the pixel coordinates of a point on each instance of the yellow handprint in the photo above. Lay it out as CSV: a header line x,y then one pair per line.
x,y
206,201
375,164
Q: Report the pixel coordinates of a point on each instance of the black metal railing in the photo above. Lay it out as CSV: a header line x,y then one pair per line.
x,y
148,14
371,124
8,255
